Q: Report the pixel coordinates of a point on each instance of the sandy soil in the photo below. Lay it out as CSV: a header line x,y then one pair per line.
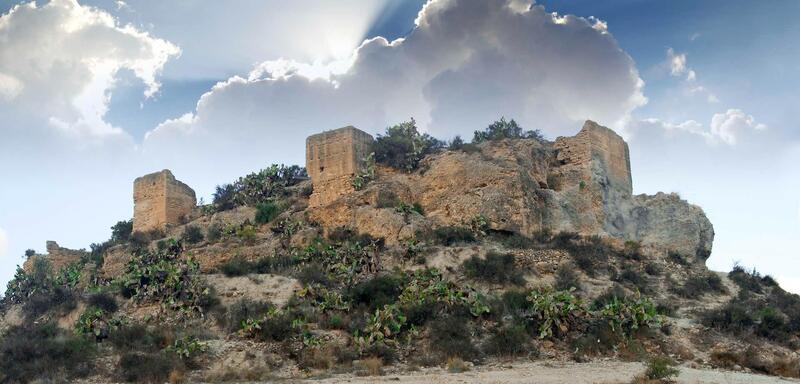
x,y
559,373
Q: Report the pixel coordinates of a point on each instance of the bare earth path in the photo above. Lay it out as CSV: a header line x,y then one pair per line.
x,y
559,373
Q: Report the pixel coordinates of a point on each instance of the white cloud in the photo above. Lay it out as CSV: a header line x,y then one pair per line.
x,y
678,67
725,128
3,244
729,125
465,64
58,64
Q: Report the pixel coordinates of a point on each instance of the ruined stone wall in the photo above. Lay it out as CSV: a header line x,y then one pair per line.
x,y
57,256
333,158
596,154
160,200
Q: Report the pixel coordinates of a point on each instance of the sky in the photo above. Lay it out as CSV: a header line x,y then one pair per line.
x,y
97,92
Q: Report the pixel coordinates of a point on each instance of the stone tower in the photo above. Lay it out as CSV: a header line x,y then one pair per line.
x,y
160,200
333,158
596,155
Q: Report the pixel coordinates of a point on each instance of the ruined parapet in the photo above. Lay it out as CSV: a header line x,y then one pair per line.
x,y
58,257
595,155
333,158
160,200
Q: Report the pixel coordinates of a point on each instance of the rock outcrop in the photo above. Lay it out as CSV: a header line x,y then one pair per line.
x,y
57,256
580,184
160,200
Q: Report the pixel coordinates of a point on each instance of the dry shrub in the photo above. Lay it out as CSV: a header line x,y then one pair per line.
x,y
320,357
176,377
786,367
456,365
370,366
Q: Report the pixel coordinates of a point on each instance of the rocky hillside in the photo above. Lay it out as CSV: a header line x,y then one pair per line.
x,y
509,249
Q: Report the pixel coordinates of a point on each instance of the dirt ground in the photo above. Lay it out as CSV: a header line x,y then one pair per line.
x,y
558,373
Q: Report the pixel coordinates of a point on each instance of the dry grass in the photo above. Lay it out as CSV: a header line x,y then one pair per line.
x,y
456,365
371,366
176,377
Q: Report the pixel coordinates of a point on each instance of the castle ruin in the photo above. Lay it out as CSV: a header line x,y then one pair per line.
x,y
160,200
333,158
596,155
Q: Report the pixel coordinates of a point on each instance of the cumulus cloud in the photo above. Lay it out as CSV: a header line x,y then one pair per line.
x,y
58,64
678,67
465,64
725,127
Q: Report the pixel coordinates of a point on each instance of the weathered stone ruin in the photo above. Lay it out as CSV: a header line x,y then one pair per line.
x,y
160,200
578,184
333,158
57,256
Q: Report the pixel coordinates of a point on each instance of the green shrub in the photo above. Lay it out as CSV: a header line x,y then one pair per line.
x,y
147,367
513,240
43,352
626,315
192,234
214,233
590,256
258,187
29,253
244,309
511,340
166,278
677,258
734,317
749,281
376,292
276,328
661,368
632,250
566,278
450,336
556,311
314,273
503,129
495,268
137,337
632,276
451,235
267,211
652,269
121,231
696,286
103,301
403,147
239,266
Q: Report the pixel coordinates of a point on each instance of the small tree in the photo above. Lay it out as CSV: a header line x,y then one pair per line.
x,y
121,231
403,147
29,253
503,129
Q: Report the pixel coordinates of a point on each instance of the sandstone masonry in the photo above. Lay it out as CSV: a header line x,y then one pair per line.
x,y
160,200
333,158
57,256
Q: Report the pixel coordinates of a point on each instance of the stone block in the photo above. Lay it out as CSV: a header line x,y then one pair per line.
x,y
160,200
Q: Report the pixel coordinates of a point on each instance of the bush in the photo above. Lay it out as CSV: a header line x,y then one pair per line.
x,y
734,317
696,286
266,212
58,300
661,368
147,367
103,301
214,233
503,129
677,258
403,147
258,187
632,276
749,281
376,292
43,352
192,234
314,273
276,328
511,341
451,235
239,266
556,311
137,337
121,231
495,268
566,278
29,253
450,337
514,240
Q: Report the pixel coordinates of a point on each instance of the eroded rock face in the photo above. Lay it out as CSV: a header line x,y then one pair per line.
x,y
580,184
57,256
160,200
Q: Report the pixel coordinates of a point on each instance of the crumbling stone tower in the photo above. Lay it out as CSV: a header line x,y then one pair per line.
x,y
333,158
160,200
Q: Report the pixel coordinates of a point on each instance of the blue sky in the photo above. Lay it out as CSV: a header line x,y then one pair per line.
x,y
705,93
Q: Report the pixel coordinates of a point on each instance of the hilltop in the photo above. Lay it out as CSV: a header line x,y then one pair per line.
x,y
396,254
